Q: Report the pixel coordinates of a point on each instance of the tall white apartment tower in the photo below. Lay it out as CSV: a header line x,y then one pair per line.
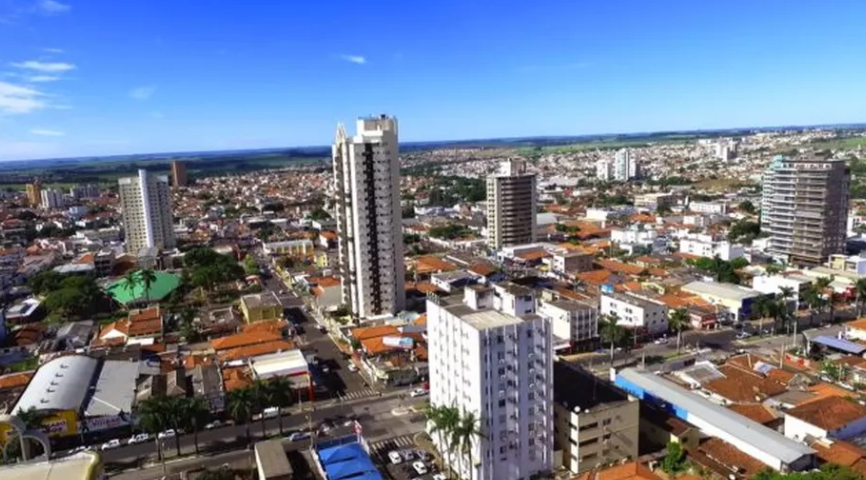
x,y
148,220
625,166
367,183
511,205
490,356
804,208
604,170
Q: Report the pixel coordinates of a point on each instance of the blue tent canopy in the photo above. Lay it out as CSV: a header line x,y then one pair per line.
x,y
839,344
349,468
341,453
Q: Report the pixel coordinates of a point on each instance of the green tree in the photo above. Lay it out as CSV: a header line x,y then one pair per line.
x,y
148,278
221,473
130,280
241,403
679,319
263,398
674,460
814,300
747,206
468,430
822,284
280,396
45,282
860,292
611,332
194,415
153,418
444,420
251,266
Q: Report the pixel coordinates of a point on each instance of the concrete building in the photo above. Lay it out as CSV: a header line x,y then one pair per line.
x,y
773,284
737,301
804,208
80,192
148,220
569,263
755,440
625,166
34,193
178,174
832,417
367,181
573,321
497,366
511,206
646,317
709,246
259,307
604,170
52,199
597,424
720,208
654,201
855,264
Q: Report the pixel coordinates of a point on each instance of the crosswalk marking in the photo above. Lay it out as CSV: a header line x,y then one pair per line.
x,y
379,450
367,392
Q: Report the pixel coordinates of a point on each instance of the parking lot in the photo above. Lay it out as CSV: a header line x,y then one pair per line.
x,y
408,457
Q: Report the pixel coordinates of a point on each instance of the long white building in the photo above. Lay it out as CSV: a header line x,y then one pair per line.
x,y
511,206
367,181
497,365
625,166
148,220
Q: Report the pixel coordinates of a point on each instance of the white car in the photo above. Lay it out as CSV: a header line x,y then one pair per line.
x,y
139,438
661,341
420,468
297,436
439,476
170,433
353,367
743,335
110,444
395,457
213,424
418,392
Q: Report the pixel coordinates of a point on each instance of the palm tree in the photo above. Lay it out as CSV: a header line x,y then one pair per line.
x,y
761,307
194,415
814,300
241,403
773,269
130,281
153,419
281,396
611,332
860,291
174,414
468,430
678,320
148,278
443,421
822,284
263,400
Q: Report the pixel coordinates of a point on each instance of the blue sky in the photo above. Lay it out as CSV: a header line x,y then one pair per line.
x,y
92,77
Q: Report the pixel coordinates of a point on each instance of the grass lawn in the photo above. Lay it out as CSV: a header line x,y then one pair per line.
x,y
29,364
849,143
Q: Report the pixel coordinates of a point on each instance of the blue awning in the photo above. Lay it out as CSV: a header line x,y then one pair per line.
x,y
839,344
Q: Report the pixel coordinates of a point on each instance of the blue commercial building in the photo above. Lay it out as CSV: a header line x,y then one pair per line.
x,y
346,458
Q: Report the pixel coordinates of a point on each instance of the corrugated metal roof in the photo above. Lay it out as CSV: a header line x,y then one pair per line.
x,y
115,389
60,384
742,429
839,344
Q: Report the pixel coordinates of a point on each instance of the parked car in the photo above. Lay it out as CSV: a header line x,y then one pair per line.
x,y
297,436
353,367
322,328
743,335
395,457
110,444
419,392
420,468
139,438
423,455
407,455
661,341
170,433
439,476
214,424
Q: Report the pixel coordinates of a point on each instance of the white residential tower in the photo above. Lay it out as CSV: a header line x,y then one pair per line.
x,y
148,220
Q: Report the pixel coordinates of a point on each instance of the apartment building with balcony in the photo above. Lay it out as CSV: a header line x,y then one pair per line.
x,y
148,221
370,243
597,424
804,208
498,366
511,206
574,321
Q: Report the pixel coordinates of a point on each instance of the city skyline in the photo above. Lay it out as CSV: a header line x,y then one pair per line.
x,y
186,85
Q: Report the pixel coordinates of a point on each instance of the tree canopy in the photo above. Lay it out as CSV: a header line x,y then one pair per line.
x,y
207,268
76,295
828,471
449,232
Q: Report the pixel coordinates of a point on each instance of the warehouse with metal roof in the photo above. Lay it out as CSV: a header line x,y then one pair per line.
x,y
60,384
766,445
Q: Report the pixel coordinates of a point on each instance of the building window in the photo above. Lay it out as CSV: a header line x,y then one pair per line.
x,y
587,426
585,443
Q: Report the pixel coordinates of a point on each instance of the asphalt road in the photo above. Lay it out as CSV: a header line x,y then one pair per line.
x,y
381,419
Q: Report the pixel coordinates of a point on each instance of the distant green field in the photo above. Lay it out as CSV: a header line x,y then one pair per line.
x,y
849,143
612,143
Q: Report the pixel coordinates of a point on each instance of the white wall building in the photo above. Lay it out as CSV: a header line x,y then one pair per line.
x,y
148,220
499,367
635,234
646,316
720,208
604,170
829,418
571,320
625,166
707,246
511,206
52,199
773,284
367,181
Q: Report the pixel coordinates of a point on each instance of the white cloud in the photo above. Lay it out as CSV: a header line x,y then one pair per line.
x,y
356,59
53,50
42,78
143,93
51,7
15,99
45,66
47,133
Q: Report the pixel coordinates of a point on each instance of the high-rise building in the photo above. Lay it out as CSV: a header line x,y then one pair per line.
x,y
79,192
804,208
52,199
625,166
604,170
34,193
511,210
178,173
148,220
490,356
367,182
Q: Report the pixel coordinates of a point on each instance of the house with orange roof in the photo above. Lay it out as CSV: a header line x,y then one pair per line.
x,y
243,339
831,417
327,292
856,329
429,264
250,351
627,471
